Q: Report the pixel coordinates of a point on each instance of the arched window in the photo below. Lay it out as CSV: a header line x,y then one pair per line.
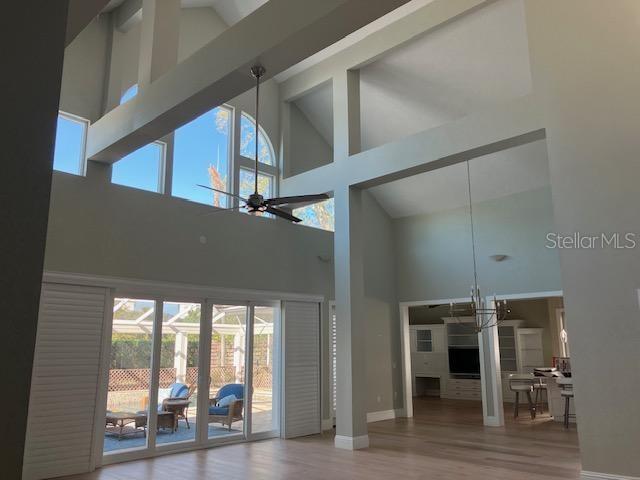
x,y
129,93
248,139
267,166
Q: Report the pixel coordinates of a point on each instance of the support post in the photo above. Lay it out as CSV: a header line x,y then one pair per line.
x,y
180,357
491,375
351,415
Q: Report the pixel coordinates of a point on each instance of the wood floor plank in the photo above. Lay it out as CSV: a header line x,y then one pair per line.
x,y
445,440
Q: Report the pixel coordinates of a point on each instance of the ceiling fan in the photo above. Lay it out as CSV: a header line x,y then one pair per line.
x,y
256,203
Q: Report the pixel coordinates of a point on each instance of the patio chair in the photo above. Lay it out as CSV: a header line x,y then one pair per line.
x,y
178,401
225,410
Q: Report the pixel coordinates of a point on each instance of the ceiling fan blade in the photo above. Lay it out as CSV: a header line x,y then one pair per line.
x,y
221,210
296,199
282,214
223,192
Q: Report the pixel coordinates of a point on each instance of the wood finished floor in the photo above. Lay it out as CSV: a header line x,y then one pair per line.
x,y
445,440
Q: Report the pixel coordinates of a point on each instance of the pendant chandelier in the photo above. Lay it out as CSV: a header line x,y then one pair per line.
x,y
484,315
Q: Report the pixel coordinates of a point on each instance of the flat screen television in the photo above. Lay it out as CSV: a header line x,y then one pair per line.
x,y
464,361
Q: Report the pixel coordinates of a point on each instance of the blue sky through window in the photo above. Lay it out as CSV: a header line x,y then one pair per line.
x,y
129,93
319,215
201,156
140,169
69,150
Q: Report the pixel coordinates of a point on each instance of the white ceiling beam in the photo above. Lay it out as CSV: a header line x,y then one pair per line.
x,y
507,125
279,34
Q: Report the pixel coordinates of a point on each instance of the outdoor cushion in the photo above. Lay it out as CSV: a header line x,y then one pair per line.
x,y
236,389
226,401
179,390
218,410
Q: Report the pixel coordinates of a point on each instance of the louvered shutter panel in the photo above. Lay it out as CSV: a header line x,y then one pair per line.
x,y
301,369
60,427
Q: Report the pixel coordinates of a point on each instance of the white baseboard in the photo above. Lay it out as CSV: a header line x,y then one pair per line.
x,y
351,443
385,415
584,475
327,424
381,415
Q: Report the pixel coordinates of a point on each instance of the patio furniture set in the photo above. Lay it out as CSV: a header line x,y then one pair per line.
x,y
224,408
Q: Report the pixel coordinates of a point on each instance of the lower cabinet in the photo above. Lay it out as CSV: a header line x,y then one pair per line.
x,y
463,389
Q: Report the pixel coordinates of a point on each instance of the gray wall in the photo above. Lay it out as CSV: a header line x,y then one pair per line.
x,y
585,58
99,228
384,375
84,71
33,39
434,251
307,148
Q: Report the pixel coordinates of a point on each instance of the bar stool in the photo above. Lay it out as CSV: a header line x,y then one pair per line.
x,y
525,383
540,389
566,384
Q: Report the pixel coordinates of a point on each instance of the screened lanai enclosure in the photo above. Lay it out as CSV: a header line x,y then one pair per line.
x,y
189,372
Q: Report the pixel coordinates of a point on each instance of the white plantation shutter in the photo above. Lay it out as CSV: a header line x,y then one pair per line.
x,y
60,427
301,369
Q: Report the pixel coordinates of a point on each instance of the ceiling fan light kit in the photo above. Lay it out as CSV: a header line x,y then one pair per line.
x,y
256,203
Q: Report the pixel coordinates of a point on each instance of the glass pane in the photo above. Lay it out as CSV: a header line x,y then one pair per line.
x,y
140,169
226,374
319,215
262,413
247,183
248,141
201,156
129,375
177,397
69,151
129,93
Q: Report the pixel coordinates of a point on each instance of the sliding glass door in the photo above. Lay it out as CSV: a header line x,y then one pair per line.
x,y
264,416
129,380
178,373
187,373
226,382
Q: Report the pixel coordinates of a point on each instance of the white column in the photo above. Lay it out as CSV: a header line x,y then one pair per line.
x,y
159,37
180,357
351,415
491,375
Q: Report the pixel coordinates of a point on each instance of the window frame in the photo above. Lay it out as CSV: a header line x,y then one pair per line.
x,y
232,184
161,169
240,161
82,171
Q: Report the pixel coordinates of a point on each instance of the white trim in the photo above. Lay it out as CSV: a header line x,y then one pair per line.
x,y
327,424
585,475
351,443
97,453
169,289
381,415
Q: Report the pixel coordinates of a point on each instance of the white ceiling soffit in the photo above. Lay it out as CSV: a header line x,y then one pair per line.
x,y
317,106
511,171
353,38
